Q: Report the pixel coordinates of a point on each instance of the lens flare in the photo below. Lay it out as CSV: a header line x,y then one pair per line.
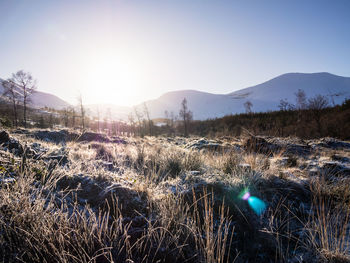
x,y
246,196
257,205
254,202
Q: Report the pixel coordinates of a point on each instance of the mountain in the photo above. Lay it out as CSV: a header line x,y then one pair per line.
x,y
264,97
41,99
203,105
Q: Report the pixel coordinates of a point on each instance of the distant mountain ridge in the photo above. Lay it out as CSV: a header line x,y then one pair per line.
x,y
41,99
264,97
335,88
203,104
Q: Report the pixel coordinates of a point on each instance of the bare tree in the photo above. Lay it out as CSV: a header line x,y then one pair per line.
x,y
41,121
139,118
186,115
98,119
170,121
72,110
51,120
107,120
248,106
300,99
173,119
318,102
285,105
149,121
11,92
114,127
316,105
131,120
82,111
166,114
27,86
66,117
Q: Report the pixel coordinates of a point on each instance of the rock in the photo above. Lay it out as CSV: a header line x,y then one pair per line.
x,y
99,137
4,137
270,145
260,145
336,168
52,136
118,140
72,136
289,146
93,137
333,143
21,131
339,158
15,146
128,199
203,144
63,136
297,149
12,144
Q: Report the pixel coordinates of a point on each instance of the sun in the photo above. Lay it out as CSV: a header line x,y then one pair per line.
x,y
112,77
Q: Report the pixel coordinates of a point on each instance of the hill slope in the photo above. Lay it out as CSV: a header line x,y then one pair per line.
x,y
41,99
335,88
203,105
264,97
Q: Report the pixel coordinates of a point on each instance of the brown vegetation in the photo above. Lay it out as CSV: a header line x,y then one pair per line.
x,y
172,200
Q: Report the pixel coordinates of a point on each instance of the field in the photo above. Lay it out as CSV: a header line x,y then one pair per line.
x,y
71,197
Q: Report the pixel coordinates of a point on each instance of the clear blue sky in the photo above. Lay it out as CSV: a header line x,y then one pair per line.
x,y
123,52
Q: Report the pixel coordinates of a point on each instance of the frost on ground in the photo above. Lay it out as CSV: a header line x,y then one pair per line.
x,y
70,197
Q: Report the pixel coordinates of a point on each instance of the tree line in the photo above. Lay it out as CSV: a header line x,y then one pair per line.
x,y
18,91
307,118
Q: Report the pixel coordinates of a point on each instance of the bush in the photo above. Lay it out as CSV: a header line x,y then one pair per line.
x,y
5,122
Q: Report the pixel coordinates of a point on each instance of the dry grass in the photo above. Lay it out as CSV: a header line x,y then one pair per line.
x,y
328,226
154,201
41,223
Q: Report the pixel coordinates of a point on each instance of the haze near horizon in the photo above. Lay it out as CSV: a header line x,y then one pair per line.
x,y
125,52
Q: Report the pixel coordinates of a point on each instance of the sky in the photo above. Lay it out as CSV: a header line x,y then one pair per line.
x,y
126,51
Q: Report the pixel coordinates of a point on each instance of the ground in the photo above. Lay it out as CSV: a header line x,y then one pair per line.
x,y
71,197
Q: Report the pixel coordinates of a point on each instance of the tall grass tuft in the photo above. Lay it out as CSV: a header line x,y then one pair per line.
x,y
328,227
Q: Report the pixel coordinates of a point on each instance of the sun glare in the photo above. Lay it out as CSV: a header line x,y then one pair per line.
x,y
111,77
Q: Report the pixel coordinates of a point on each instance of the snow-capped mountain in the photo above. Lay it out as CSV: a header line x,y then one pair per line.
x,y
41,99
264,97
203,105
